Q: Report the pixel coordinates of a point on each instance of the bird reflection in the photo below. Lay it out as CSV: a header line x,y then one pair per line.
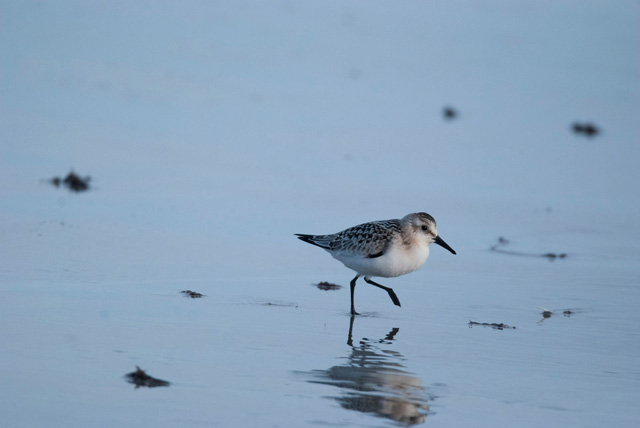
x,y
374,381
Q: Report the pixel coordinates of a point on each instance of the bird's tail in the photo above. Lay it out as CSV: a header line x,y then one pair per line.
x,y
317,240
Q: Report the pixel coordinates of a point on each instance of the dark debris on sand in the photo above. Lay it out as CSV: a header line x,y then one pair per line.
x,y
449,113
326,286
192,294
495,326
140,378
546,313
502,242
588,129
73,182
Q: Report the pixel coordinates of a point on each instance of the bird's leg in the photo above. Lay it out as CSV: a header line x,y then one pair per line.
x,y
389,290
353,289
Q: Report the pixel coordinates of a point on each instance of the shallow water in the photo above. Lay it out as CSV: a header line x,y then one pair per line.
x,y
282,351
206,157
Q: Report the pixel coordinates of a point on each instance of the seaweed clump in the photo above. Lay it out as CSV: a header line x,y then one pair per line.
x,y
72,182
493,325
140,378
326,286
192,294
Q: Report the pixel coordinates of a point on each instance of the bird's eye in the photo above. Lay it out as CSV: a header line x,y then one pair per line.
x,y
425,228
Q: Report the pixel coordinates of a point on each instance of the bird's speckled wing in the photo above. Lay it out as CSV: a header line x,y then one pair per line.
x,y
367,240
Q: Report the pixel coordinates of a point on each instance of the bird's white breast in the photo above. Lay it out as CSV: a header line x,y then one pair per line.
x,y
398,260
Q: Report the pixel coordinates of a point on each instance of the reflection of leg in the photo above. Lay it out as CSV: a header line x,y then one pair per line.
x,y
389,290
350,339
353,289
391,334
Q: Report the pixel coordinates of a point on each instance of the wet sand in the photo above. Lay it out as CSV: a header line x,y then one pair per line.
x,y
206,158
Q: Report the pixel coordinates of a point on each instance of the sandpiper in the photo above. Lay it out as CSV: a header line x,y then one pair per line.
x,y
385,248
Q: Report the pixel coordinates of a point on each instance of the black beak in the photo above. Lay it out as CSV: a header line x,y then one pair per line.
x,y
443,244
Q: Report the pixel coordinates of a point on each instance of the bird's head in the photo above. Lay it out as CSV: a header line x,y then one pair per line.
x,y
424,226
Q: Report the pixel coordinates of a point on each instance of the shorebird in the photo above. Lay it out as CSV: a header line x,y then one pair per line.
x,y
385,248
